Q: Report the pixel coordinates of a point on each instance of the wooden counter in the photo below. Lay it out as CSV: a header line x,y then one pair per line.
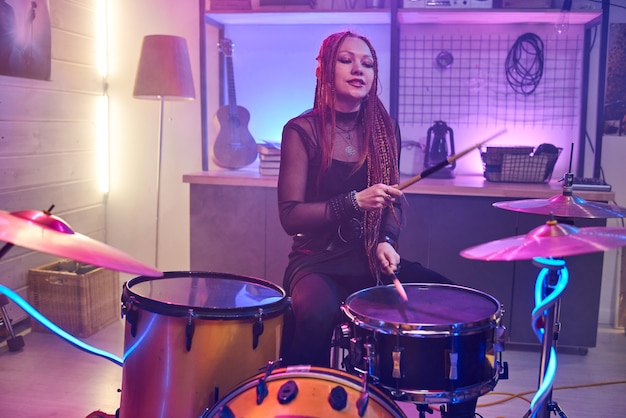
x,y
459,186
235,229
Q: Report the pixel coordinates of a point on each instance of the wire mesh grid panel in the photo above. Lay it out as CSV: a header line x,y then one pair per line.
x,y
491,74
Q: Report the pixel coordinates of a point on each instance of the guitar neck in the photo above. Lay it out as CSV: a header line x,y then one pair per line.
x,y
230,77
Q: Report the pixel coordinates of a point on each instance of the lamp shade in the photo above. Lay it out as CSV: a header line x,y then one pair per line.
x,y
164,69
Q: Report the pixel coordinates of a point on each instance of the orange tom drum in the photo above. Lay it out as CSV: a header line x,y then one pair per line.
x,y
191,337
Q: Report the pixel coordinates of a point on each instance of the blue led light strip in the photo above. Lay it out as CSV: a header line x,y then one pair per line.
x,y
541,305
54,328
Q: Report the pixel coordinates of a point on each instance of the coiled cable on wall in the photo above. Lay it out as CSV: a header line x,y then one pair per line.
x,y
524,64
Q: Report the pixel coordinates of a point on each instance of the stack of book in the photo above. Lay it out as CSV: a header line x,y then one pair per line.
x,y
269,158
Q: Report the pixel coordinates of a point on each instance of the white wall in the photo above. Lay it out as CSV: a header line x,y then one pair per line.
x,y
134,136
49,136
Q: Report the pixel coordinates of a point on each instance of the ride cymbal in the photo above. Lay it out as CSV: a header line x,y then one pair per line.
x,y
41,231
564,206
550,240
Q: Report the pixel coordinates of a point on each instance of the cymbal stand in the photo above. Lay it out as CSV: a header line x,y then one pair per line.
x,y
551,282
14,342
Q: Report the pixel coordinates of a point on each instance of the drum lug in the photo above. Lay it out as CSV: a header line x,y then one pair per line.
x,y
499,339
396,356
503,368
453,373
287,392
225,412
190,328
370,358
132,316
498,347
355,351
338,398
257,330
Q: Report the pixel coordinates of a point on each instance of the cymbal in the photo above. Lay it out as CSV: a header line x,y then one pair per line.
x,y
41,231
564,206
550,240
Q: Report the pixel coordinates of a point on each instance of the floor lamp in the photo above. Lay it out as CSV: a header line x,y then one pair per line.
x,y
164,73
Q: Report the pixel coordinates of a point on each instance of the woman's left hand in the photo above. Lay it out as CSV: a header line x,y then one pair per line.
x,y
388,258
378,196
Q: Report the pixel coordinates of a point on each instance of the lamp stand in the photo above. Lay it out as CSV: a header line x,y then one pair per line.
x,y
158,183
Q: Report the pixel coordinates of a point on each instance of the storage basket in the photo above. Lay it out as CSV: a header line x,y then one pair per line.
x,y
517,165
81,299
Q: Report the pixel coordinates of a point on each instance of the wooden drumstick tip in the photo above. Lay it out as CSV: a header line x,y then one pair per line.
x,y
400,288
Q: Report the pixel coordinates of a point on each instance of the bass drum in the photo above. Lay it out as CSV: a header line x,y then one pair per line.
x,y
439,347
192,337
305,391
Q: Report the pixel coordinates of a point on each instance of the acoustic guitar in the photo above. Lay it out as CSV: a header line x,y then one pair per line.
x,y
234,145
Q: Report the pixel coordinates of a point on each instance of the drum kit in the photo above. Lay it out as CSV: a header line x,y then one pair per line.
x,y
200,344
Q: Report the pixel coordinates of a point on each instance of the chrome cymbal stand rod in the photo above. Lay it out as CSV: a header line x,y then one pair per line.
x,y
550,284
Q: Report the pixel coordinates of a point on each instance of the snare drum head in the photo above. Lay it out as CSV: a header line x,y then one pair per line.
x,y
430,307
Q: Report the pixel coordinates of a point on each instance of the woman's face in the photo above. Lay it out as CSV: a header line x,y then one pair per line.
x,y
354,74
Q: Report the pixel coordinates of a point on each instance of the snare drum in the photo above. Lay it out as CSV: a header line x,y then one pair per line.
x,y
306,391
439,347
191,337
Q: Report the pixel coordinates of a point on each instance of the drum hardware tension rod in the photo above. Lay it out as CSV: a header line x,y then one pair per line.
x,y
261,388
447,161
361,403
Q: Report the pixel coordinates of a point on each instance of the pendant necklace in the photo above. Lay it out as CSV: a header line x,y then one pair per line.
x,y
346,134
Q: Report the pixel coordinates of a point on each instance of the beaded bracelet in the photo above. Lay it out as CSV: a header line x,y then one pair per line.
x,y
353,201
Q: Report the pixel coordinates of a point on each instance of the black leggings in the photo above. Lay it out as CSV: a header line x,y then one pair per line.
x,y
316,299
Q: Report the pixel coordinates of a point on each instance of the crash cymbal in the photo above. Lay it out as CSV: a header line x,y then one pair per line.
x,y
550,240
41,231
564,206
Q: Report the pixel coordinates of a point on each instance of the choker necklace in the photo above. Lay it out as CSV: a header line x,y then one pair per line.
x,y
346,134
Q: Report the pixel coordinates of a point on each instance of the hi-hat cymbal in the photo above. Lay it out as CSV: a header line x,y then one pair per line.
x,y
550,240
565,206
41,231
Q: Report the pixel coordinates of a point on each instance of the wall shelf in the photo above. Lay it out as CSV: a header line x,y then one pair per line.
x,y
313,17
415,16
496,16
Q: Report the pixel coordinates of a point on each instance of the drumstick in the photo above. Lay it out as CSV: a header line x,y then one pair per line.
x,y
398,285
447,161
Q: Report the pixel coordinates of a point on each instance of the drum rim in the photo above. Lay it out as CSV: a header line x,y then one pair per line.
x,y
178,310
307,371
422,329
458,395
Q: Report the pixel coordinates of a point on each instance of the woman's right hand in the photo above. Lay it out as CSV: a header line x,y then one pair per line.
x,y
378,196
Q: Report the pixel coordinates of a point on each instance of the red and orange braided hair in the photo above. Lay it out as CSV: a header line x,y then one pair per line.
x,y
380,144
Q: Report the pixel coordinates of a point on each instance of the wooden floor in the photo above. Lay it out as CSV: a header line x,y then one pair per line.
x,y
52,378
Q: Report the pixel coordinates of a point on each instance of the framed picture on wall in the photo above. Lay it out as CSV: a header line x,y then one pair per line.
x,y
615,95
25,46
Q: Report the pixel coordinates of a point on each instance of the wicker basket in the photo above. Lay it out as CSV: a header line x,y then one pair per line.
x,y
517,165
80,299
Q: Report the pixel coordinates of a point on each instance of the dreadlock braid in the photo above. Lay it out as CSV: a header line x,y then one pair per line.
x,y
380,148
